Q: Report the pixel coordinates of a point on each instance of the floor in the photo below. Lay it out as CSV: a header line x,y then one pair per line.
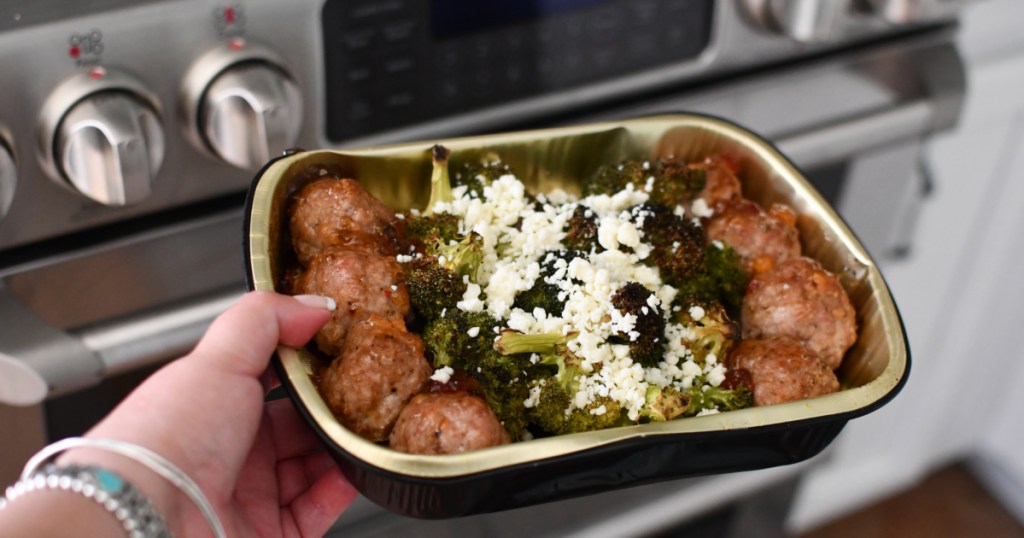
x,y
949,503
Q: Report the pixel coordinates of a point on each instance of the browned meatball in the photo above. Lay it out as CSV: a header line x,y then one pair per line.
x,y
337,212
380,368
762,238
782,370
799,298
446,423
722,185
361,283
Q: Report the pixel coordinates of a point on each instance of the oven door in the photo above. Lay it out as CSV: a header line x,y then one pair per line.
x,y
83,324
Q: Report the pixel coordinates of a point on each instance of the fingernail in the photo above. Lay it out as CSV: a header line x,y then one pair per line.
x,y
316,301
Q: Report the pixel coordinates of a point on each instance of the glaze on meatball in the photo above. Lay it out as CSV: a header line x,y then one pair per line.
x,y
761,238
339,212
799,298
380,368
782,370
361,283
446,423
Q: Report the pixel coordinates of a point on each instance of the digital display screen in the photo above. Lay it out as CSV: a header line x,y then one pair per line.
x,y
452,18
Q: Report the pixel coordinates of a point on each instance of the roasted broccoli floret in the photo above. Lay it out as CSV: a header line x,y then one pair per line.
x,y
553,413
701,272
670,182
581,231
545,293
435,278
553,410
464,341
676,183
677,243
478,175
663,404
713,332
432,227
727,275
423,229
706,398
647,339
433,288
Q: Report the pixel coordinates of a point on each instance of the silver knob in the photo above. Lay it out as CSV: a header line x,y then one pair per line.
x,y
806,21
102,136
241,105
8,174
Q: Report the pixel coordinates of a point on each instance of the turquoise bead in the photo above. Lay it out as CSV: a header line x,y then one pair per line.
x,y
109,481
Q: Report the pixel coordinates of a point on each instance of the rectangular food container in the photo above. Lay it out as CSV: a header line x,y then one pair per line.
x,y
560,467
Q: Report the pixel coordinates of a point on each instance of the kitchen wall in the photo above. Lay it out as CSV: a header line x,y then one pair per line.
x,y
961,295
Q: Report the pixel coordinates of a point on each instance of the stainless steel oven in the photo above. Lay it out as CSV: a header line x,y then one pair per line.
x,y
130,130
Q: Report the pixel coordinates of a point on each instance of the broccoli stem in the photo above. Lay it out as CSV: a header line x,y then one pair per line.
x,y
511,342
440,182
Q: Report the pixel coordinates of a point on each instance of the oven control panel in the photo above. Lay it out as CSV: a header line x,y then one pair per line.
x,y
115,111
389,64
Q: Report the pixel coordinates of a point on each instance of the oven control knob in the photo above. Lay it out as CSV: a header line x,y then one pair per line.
x,y
241,105
103,137
805,21
8,177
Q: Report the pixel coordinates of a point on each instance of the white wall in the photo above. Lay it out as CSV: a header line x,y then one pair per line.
x,y
961,295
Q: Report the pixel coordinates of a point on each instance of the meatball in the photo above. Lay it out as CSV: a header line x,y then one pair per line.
x,y
380,367
781,370
337,212
361,283
799,298
722,185
761,238
446,423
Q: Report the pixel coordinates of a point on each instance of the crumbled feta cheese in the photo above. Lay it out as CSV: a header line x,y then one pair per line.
x,y
697,312
700,208
474,332
443,374
517,232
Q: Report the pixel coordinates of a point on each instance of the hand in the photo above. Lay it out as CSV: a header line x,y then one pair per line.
x,y
259,464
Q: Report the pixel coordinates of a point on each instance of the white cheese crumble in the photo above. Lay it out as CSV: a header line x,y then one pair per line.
x,y
443,374
517,232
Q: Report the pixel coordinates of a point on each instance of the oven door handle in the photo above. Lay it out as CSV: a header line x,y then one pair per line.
x,y
841,140
39,361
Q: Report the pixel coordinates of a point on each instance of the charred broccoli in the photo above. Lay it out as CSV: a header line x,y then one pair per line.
x,y
464,341
431,227
647,340
726,273
701,272
545,293
706,398
670,182
663,404
435,279
553,409
677,243
581,231
711,329
475,176
422,229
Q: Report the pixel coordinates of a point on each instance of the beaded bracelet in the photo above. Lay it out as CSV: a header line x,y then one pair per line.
x,y
120,498
142,455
